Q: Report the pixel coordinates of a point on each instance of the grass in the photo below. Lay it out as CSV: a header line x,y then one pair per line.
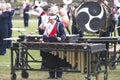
x,y
42,75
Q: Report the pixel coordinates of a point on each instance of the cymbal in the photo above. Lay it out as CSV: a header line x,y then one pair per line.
x,y
18,29
11,38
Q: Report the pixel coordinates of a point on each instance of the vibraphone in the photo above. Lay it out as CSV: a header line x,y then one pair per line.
x,y
74,53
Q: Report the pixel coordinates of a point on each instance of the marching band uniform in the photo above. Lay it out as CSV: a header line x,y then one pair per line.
x,y
25,16
3,32
42,12
10,13
54,32
44,20
74,25
42,9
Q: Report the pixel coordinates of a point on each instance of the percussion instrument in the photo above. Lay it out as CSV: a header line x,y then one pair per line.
x,y
30,37
78,55
90,17
72,53
36,38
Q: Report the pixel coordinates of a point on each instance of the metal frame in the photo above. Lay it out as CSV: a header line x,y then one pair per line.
x,y
21,62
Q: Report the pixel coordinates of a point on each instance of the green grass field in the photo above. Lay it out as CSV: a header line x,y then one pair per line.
x,y
43,75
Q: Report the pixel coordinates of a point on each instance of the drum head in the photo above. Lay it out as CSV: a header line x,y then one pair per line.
x,y
90,17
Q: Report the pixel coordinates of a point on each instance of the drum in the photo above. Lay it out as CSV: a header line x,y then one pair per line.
x,y
90,17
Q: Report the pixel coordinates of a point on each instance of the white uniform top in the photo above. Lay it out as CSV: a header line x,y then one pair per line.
x,y
44,17
116,15
39,10
44,21
49,28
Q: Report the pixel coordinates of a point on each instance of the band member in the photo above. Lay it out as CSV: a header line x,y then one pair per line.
x,y
10,12
64,17
54,32
105,32
3,29
74,24
44,20
25,16
41,8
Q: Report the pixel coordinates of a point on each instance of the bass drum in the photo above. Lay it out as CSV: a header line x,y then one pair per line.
x,y
90,17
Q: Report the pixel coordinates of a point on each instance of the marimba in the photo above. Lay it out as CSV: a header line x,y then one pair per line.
x,y
108,41
80,53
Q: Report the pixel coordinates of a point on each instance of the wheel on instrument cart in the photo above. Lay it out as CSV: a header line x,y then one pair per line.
x,y
112,66
13,76
24,74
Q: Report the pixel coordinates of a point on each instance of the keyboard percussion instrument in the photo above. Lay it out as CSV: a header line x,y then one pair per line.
x,y
76,57
36,38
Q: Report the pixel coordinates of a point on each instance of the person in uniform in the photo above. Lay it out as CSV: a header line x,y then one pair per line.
x,y
42,26
10,12
41,8
106,31
25,15
54,32
74,24
3,28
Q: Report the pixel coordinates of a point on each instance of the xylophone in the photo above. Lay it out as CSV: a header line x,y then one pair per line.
x,y
81,53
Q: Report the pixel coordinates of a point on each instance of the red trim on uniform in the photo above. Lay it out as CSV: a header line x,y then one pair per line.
x,y
42,13
53,32
26,7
